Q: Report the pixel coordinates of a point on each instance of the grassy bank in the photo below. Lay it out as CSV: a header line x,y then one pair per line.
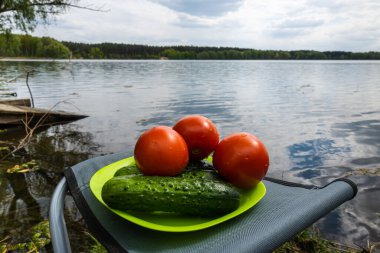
x,y
310,240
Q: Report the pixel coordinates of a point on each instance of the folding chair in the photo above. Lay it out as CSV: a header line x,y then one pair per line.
x,y
285,210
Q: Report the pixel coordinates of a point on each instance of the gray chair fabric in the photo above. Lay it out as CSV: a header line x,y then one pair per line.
x,y
285,210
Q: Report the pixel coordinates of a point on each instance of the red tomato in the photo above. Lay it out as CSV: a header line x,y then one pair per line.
x,y
200,134
161,151
241,159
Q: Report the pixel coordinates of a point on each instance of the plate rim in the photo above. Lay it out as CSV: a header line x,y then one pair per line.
x,y
243,207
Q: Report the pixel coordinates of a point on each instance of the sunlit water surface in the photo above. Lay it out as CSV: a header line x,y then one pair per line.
x,y
320,120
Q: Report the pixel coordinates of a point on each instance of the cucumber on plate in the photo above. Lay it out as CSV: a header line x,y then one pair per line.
x,y
198,193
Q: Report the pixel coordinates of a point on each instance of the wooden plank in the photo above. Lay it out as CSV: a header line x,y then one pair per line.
x,y
11,115
22,101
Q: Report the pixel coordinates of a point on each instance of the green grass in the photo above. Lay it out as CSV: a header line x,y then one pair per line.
x,y
37,238
310,240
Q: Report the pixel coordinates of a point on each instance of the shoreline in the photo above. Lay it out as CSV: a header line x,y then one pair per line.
x,y
27,59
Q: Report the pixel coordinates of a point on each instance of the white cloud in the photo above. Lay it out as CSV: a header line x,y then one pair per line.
x,y
300,23
201,7
273,24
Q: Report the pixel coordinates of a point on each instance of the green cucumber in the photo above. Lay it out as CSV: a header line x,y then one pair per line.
x,y
201,175
171,194
191,174
196,170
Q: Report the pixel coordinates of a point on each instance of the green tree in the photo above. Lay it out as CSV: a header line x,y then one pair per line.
x,y
54,49
96,53
170,53
213,55
2,45
10,45
204,55
28,46
233,54
26,14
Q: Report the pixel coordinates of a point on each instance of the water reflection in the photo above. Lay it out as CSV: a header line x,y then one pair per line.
x,y
361,215
193,88
356,221
365,132
209,107
20,208
24,197
313,153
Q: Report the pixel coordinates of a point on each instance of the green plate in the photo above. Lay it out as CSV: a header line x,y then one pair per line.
x,y
166,221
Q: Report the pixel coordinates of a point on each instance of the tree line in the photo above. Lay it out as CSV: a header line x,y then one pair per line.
x,y
12,45
132,51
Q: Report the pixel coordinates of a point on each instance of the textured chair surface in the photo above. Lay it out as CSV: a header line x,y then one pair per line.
x,y
285,210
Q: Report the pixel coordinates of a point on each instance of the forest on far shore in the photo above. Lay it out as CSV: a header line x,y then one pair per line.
x,y
14,45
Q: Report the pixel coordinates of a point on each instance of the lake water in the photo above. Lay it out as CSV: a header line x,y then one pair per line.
x,y
320,120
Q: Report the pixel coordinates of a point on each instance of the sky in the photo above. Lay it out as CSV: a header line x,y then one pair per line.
x,y
348,25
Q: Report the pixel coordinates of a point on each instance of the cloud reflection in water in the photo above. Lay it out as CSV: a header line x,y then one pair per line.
x,y
357,220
